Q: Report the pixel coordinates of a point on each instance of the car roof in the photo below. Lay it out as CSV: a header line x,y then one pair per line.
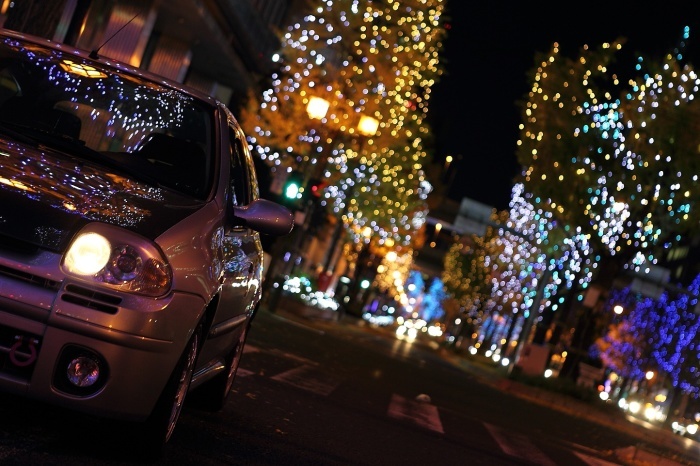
x,y
109,63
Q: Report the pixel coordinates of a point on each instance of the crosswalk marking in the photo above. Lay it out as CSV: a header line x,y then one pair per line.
x,y
243,372
248,348
519,446
419,412
308,378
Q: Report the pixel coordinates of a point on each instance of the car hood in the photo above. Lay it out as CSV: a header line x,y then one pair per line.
x,y
46,197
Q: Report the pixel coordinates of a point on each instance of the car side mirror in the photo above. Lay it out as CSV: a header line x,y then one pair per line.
x,y
265,216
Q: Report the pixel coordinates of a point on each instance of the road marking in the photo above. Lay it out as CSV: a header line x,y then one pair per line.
x,y
250,349
592,461
519,446
243,372
419,412
309,379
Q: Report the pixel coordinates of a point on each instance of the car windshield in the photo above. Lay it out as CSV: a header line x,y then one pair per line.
x,y
150,132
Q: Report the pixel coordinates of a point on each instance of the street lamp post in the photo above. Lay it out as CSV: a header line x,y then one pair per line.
x,y
367,126
317,108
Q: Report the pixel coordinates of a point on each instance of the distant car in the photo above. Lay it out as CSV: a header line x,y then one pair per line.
x,y
685,426
130,255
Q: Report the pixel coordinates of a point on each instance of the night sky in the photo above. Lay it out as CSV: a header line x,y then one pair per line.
x,y
489,49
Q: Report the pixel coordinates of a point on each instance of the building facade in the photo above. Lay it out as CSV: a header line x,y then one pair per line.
x,y
221,47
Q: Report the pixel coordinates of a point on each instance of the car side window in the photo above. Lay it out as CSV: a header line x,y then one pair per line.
x,y
240,176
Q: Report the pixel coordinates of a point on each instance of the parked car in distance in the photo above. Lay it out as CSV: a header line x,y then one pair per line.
x,y
685,426
130,255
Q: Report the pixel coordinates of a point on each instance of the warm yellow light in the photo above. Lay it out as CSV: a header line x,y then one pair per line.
x,y
618,309
368,126
81,69
317,108
649,375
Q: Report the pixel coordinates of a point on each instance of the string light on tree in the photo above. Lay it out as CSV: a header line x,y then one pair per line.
x,y
373,58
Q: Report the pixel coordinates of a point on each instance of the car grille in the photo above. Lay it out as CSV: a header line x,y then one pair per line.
x,y
91,299
23,248
29,278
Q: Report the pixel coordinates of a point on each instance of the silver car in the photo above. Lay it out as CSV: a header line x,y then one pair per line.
x,y
130,254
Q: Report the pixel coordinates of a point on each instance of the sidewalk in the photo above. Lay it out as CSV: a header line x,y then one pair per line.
x,y
656,447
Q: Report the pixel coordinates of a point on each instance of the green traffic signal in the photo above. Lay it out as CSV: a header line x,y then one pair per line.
x,y
291,190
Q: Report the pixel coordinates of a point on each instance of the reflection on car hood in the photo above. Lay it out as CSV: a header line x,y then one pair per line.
x,y
47,198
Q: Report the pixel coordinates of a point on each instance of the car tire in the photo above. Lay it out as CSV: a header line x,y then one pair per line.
x,y
155,433
213,394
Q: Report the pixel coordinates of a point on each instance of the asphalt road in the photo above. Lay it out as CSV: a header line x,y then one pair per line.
x,y
331,394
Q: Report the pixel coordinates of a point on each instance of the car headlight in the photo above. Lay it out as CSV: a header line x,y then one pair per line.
x,y
119,259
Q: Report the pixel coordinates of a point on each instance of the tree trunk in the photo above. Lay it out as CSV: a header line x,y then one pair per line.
x,y
542,326
590,320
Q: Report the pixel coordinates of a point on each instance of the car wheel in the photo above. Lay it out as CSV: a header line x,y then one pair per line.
x,y
160,425
213,394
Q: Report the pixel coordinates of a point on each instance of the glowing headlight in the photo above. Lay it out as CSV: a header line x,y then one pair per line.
x,y
88,254
650,412
634,407
121,260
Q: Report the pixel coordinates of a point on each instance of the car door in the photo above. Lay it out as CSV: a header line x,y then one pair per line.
x,y
242,248
240,251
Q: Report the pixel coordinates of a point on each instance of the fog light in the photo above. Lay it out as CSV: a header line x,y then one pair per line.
x,y
83,371
80,371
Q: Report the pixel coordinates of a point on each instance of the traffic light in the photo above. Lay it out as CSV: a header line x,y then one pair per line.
x,y
316,187
293,189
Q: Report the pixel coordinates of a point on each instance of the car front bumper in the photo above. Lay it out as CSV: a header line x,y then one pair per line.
x,y
44,323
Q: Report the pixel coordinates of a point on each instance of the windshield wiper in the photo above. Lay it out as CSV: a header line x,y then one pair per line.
x,y
9,130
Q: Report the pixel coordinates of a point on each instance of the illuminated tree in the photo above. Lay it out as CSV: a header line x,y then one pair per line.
x,y
655,334
531,264
624,348
677,338
415,289
464,275
432,302
366,58
392,273
618,161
